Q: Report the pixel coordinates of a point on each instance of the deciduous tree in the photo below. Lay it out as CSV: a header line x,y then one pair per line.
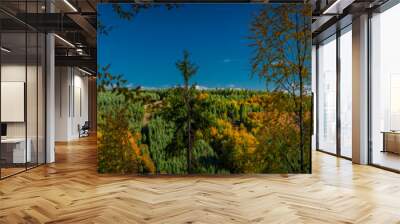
x,y
281,37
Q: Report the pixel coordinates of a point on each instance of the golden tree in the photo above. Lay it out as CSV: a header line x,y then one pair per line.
x,y
281,36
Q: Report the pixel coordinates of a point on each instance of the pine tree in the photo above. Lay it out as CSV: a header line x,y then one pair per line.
x,y
188,70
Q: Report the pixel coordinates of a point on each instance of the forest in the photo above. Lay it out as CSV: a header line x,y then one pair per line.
x,y
184,129
187,130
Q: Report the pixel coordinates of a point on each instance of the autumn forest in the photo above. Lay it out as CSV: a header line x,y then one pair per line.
x,y
191,129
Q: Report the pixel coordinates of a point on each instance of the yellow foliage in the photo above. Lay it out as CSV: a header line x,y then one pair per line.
x,y
202,96
239,139
144,157
256,99
274,118
234,103
198,134
99,136
133,140
148,163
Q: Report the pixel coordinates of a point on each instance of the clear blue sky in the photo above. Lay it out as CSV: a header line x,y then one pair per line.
x,y
146,48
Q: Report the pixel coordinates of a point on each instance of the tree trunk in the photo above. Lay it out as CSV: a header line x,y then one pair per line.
x,y
301,125
189,124
189,142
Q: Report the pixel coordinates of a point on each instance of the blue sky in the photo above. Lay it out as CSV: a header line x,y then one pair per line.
x,y
146,48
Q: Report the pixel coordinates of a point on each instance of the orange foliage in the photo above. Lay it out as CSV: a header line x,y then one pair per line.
x,y
213,131
242,141
260,99
142,155
99,136
202,96
237,144
279,118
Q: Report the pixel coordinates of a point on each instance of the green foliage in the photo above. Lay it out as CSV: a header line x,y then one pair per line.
x,y
115,121
111,106
187,69
118,116
160,136
183,130
254,132
175,111
205,160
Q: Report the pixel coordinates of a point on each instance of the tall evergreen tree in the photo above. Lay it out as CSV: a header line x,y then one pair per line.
x,y
188,70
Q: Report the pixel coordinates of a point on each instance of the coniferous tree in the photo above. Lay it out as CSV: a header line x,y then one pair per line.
x,y
188,70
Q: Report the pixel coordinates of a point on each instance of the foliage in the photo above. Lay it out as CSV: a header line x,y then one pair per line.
x,y
160,136
236,147
205,160
145,164
184,130
188,70
235,132
281,37
129,12
115,153
118,116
